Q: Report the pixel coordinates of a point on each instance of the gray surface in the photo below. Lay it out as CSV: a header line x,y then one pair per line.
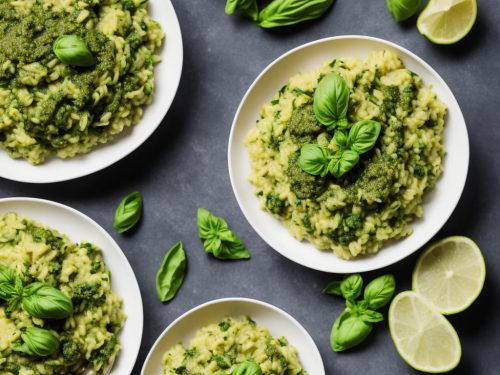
x,y
183,166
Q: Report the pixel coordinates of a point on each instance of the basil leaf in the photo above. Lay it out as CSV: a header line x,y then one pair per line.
x,y
401,10
171,273
289,12
340,139
128,212
370,316
342,162
7,282
348,330
379,291
218,239
37,342
314,159
46,302
351,286
331,100
333,288
72,50
248,7
363,135
247,368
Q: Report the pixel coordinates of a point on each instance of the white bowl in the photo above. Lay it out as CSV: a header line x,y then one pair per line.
x,y
79,227
278,322
438,203
167,77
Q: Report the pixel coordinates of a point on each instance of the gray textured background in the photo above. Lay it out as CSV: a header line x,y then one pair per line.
x,y
183,166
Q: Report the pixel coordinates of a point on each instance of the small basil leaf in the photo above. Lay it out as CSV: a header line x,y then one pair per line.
x,y
128,212
333,288
46,302
218,239
363,135
248,7
331,100
379,291
348,330
351,286
8,279
247,368
37,342
72,50
289,12
340,139
370,316
314,159
171,273
403,9
342,162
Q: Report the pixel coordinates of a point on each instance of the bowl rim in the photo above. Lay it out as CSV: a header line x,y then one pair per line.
x,y
139,307
252,221
204,305
110,158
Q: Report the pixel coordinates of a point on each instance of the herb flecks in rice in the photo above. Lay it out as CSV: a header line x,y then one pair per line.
x,y
378,199
47,107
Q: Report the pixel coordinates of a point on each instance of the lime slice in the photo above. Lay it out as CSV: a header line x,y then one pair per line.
x,y
423,337
447,21
450,274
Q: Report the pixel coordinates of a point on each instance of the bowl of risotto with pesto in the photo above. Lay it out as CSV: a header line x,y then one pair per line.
x,y
352,155
82,83
234,336
60,311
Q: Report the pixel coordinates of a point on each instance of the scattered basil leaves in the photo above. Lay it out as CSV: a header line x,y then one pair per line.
x,y
247,368
218,239
363,135
248,7
331,100
314,159
72,50
46,302
401,10
128,212
37,342
342,162
379,291
289,12
171,273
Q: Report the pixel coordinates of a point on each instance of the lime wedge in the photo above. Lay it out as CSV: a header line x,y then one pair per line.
x,y
450,274
447,21
423,337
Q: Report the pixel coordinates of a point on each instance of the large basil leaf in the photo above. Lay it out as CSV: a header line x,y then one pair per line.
x,y
314,159
343,162
171,273
37,342
289,12
46,302
363,135
331,100
348,330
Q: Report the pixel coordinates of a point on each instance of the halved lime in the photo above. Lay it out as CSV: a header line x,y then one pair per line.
x,y
423,337
450,274
447,21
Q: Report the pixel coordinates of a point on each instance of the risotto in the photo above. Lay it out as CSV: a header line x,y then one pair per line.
x,y
48,107
219,348
88,338
374,202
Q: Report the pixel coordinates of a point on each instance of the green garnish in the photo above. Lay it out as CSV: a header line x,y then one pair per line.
x,y
331,100
72,50
171,273
247,368
403,9
128,212
46,302
37,342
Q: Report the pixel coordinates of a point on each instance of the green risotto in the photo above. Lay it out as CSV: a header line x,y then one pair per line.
x,y
87,339
48,106
355,213
218,349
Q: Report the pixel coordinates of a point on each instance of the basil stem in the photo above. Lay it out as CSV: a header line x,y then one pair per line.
x,y
72,50
247,368
171,273
289,12
331,100
401,10
218,239
46,302
37,342
248,7
128,212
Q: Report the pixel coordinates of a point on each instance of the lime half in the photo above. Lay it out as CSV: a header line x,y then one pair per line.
x,y
423,337
447,21
450,274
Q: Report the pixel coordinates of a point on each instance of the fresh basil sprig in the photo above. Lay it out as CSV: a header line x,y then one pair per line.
x,y
170,275
331,100
128,212
248,7
37,342
247,368
218,239
46,302
403,9
289,12
356,322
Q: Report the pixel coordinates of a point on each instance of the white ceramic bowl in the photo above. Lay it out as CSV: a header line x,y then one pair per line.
x,y
278,322
438,203
167,77
79,227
